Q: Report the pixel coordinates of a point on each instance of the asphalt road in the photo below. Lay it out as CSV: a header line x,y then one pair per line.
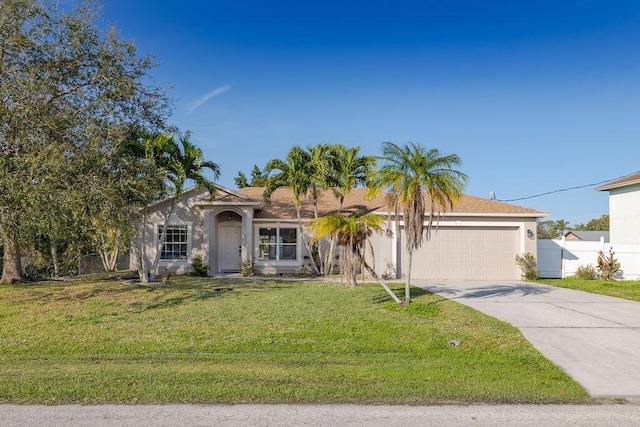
x,y
321,415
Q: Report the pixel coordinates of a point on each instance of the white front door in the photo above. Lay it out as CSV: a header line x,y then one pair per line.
x,y
230,248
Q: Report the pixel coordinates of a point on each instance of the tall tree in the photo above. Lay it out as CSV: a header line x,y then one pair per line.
x,y
66,88
596,224
258,178
184,161
348,169
409,173
294,173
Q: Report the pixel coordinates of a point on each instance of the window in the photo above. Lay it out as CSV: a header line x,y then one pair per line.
x,y
278,244
176,244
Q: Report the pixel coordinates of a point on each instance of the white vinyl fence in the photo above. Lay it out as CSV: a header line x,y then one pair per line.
x,y
560,258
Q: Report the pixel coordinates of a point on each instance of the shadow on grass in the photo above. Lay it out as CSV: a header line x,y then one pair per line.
x,y
202,289
177,291
488,291
415,293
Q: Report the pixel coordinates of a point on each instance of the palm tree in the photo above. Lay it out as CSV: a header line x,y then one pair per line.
x,y
351,233
409,173
180,162
296,174
348,170
321,178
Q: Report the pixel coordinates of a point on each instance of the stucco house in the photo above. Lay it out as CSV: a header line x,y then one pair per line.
x,y
479,239
624,209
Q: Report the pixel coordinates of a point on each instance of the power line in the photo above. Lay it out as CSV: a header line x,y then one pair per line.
x,y
566,189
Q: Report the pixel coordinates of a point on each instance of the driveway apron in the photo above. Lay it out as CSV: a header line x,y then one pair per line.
x,y
593,338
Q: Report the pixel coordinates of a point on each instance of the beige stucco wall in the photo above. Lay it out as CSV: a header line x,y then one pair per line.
x,y
186,213
203,225
388,251
204,222
624,214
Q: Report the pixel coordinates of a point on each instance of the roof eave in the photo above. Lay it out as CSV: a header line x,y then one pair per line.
x,y
611,186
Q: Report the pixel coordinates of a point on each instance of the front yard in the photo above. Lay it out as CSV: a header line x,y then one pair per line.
x,y
627,289
214,340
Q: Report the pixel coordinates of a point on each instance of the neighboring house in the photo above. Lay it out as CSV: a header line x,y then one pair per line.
x,y
479,239
624,209
587,236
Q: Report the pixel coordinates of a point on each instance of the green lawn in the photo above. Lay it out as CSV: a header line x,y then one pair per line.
x,y
213,340
627,289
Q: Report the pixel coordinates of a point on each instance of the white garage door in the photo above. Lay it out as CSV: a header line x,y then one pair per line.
x,y
465,253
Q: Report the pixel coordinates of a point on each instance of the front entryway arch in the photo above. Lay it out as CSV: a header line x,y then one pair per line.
x,y
229,242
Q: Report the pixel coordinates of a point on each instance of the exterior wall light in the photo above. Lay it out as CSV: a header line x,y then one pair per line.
x,y
530,234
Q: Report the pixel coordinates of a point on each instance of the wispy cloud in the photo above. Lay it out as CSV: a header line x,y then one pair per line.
x,y
207,96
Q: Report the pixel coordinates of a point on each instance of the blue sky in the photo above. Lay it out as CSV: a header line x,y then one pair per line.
x,y
533,96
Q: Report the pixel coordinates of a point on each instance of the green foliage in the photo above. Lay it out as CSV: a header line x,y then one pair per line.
x,y
551,229
241,180
409,173
258,178
596,224
528,265
247,269
608,266
627,289
207,340
198,268
586,272
71,92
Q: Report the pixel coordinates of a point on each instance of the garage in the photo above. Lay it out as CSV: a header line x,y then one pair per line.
x,y
465,253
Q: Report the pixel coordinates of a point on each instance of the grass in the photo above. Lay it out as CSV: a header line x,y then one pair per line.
x,y
213,340
627,289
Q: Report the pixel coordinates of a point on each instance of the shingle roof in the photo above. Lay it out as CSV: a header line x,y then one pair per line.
x,y
622,182
589,235
281,204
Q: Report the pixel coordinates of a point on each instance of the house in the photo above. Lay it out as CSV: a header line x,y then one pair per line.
x,y
479,239
587,236
624,209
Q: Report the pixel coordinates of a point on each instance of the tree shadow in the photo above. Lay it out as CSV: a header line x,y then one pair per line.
x,y
515,289
415,292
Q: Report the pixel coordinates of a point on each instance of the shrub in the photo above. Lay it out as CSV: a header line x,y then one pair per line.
x,y
608,266
586,272
247,269
198,268
528,265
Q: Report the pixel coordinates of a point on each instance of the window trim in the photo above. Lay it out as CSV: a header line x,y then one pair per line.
x,y
189,242
277,245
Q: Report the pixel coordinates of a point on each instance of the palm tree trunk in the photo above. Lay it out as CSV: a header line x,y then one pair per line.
x,y
332,245
304,241
321,269
407,286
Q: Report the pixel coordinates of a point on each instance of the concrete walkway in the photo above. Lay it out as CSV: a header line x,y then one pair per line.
x,y
593,338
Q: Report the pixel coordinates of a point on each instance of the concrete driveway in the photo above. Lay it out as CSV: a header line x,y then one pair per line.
x,y
593,338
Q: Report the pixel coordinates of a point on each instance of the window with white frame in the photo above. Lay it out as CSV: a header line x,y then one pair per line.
x,y
278,244
176,244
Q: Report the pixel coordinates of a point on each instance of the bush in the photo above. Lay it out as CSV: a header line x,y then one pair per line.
x,y
198,268
528,265
586,272
608,266
247,269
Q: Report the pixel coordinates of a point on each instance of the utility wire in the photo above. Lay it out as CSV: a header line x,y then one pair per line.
x,y
566,189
